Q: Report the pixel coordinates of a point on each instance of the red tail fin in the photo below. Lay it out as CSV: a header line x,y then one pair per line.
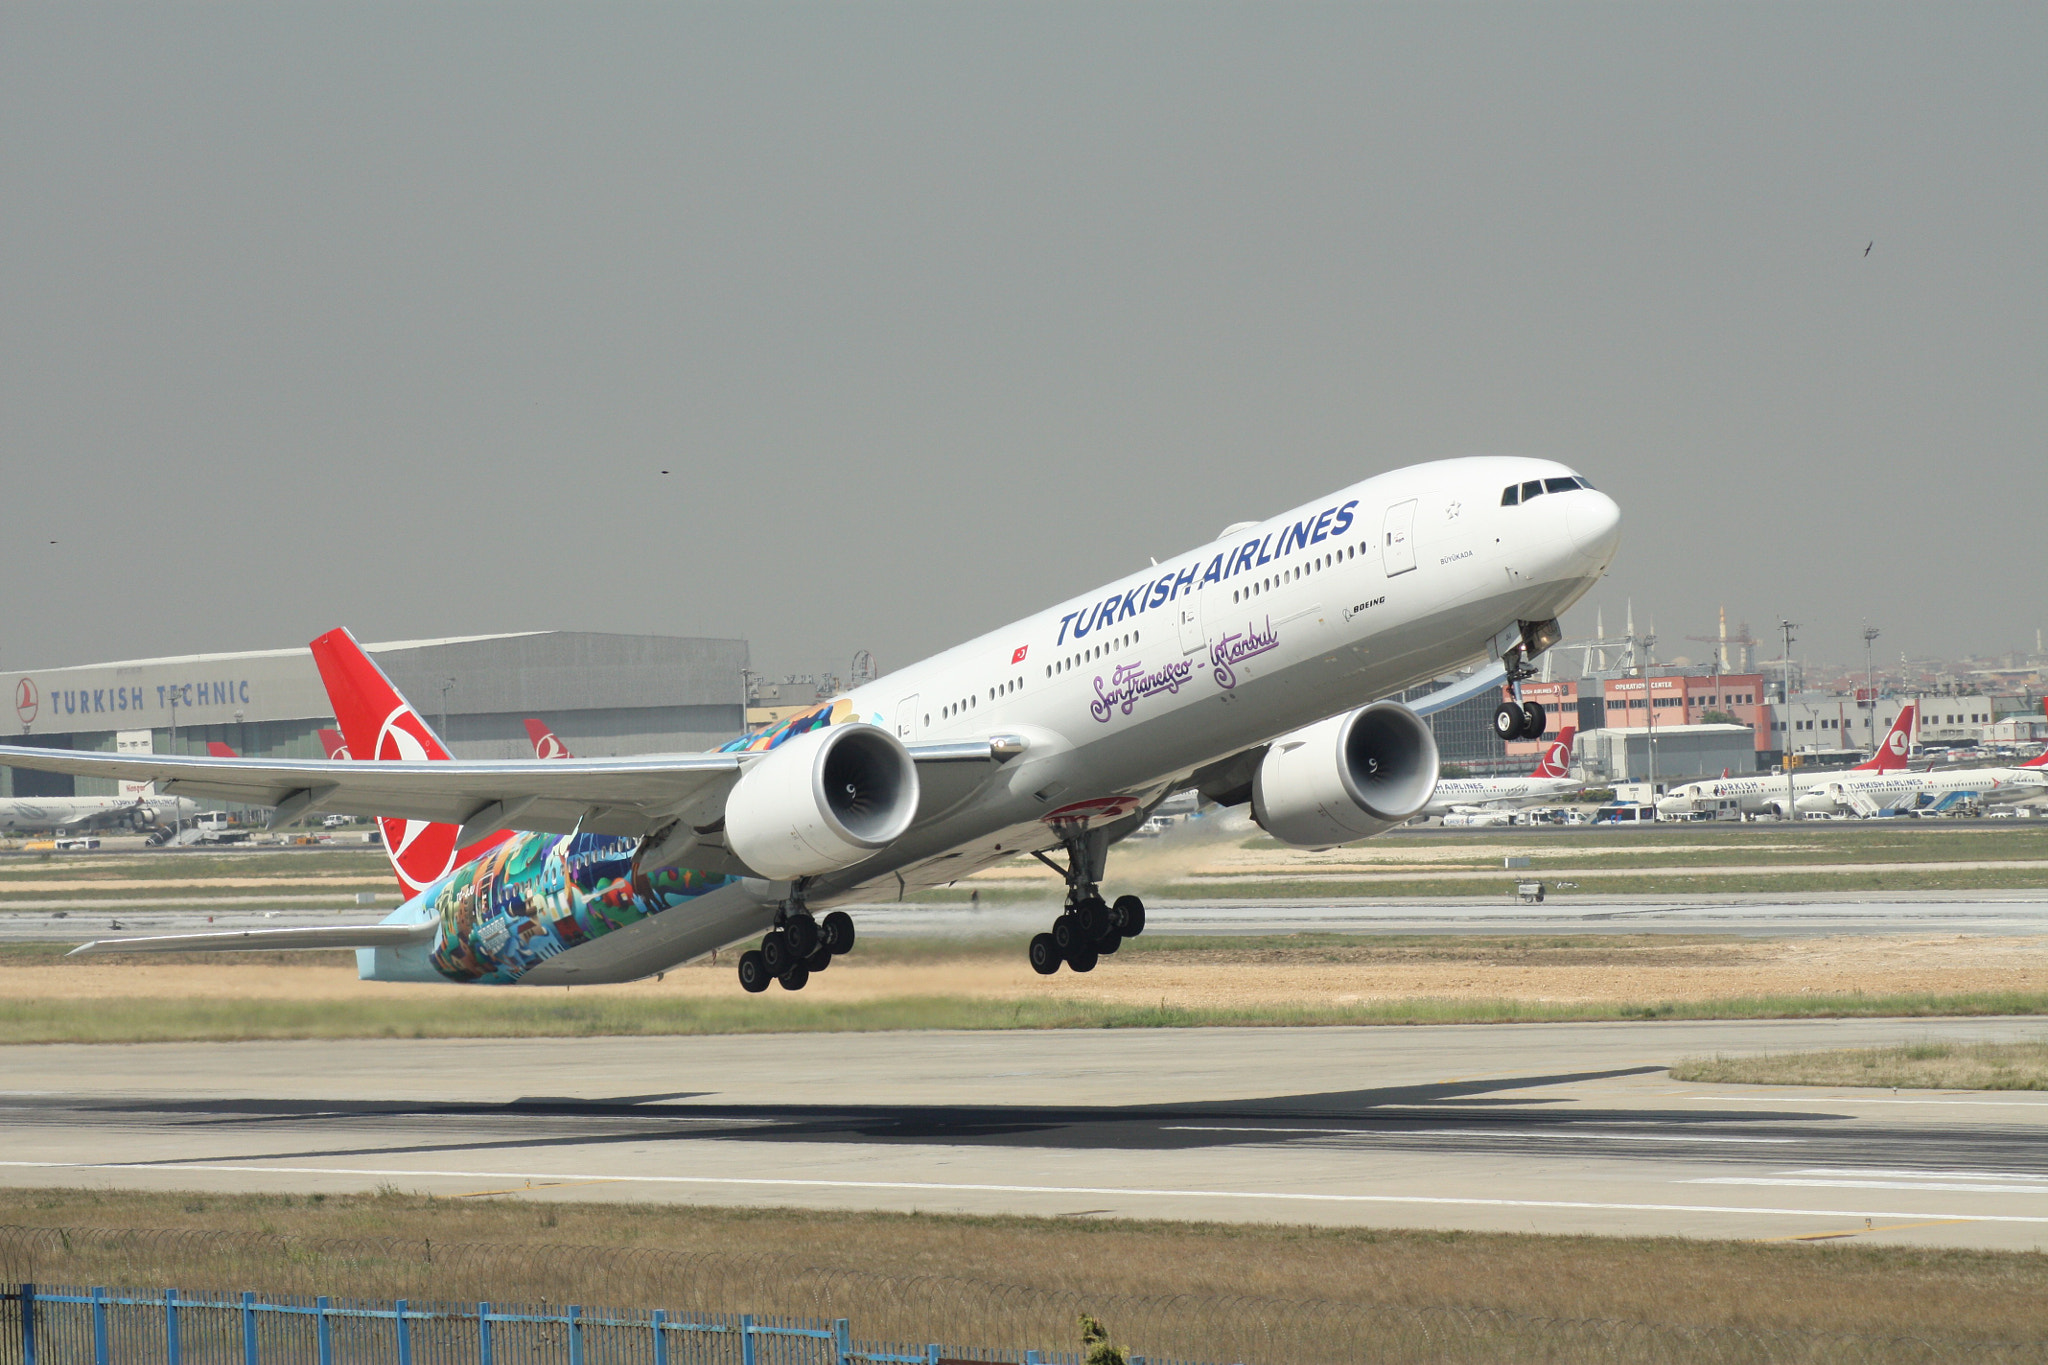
x,y
334,746
378,723
216,749
1557,759
546,744
1891,755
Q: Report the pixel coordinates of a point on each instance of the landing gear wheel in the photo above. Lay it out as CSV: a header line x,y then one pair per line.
x,y
754,973
1066,933
1533,720
1094,918
1045,954
776,954
802,932
818,961
837,932
795,977
1082,959
1128,916
1109,943
1508,721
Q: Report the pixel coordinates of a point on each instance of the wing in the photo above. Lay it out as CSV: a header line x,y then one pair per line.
x,y
630,796
249,940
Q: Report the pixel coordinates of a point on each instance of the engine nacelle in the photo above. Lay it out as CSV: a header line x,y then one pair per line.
x,y
822,801
1346,778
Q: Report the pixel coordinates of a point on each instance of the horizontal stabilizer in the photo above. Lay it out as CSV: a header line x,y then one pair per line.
x,y
248,940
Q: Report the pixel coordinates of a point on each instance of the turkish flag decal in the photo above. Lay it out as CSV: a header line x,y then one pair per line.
x,y
1018,657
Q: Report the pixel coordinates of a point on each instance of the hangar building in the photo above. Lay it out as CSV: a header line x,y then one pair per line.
x,y
604,695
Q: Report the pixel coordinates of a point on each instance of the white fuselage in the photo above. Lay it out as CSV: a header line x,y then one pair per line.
x,y
1897,791
1777,792
1457,793
88,812
1125,691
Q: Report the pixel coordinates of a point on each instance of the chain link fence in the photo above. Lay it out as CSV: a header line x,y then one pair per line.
x,y
923,1308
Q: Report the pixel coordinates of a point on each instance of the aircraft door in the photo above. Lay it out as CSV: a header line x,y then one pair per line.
x,y
909,723
1192,639
1399,542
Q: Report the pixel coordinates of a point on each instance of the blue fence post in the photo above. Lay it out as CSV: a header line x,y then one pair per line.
x,y
28,1324
483,1334
842,1341
250,1354
660,1337
174,1342
1031,1358
100,1347
326,1330
933,1354
746,1339
403,1329
575,1335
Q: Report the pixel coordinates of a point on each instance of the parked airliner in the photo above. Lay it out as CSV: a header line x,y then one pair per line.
x,y
1245,669
74,814
1779,793
1867,794
1550,779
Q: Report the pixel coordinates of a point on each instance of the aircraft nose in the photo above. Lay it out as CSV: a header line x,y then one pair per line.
x,y
1595,525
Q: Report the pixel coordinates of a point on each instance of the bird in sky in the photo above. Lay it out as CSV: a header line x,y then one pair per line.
x,y
1866,250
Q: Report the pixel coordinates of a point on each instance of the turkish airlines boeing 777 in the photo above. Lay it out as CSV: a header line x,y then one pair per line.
x,y
1245,668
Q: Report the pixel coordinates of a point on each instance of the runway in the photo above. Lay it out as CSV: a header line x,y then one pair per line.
x,y
1780,916
1551,1128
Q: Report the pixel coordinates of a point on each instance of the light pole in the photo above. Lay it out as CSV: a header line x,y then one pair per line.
x,y
177,807
1785,703
1870,684
1650,715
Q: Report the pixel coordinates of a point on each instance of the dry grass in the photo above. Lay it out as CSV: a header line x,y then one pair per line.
x,y
912,1274
1909,1066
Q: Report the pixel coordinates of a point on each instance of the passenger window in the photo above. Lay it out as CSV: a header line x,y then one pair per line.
x,y
1532,489
1560,485
1511,495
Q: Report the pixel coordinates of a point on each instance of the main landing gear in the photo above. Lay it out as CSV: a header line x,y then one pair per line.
x,y
1519,720
796,947
1090,928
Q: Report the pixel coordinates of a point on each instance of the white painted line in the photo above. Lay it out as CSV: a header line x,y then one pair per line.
x,y
1866,1184
1868,1099
1877,1172
936,1187
1481,1132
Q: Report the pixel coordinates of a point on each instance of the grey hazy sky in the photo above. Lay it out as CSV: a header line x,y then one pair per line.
x,y
389,316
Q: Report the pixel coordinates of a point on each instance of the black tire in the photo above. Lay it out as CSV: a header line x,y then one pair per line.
x,y
838,932
1094,916
1045,954
776,954
1129,916
803,936
795,977
818,961
1507,721
754,973
1109,943
1066,933
1082,959
1533,720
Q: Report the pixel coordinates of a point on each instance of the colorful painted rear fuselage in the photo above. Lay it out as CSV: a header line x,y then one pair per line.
x,y
1119,696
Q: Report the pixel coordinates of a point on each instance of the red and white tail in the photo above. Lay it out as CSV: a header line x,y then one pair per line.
x,y
1897,747
216,749
378,723
546,743
1557,759
333,745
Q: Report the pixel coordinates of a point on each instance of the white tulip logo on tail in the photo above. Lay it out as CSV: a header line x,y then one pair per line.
x,y
422,851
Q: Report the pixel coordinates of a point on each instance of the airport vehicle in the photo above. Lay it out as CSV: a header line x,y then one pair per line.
x,y
1869,794
1625,813
1548,780
1779,793
546,743
1244,669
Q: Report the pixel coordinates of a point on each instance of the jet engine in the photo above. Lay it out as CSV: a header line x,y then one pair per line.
x,y
1346,778
822,801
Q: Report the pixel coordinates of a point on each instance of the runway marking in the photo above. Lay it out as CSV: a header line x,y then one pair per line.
x,y
1865,1099
1482,1132
1858,1232
1872,1172
1760,1180
939,1187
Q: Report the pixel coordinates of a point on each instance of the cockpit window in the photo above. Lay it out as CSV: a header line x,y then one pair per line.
x,y
1532,489
1585,483
1560,485
1511,495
